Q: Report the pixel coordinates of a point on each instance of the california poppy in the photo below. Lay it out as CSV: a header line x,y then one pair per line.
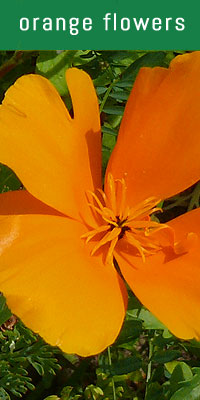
x,y
60,238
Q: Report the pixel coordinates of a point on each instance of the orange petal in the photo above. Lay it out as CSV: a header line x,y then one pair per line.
x,y
21,202
50,152
53,284
157,150
87,122
168,285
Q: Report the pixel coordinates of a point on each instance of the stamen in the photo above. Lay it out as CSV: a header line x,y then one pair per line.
x,y
107,238
143,224
109,257
96,199
121,197
111,195
105,213
102,193
120,222
91,234
143,209
136,244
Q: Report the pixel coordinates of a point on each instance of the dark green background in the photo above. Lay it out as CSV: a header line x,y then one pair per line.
x,y
12,38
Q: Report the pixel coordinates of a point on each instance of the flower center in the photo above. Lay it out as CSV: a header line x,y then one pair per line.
x,y
116,221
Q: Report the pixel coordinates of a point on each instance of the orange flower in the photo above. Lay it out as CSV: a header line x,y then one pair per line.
x,y
59,239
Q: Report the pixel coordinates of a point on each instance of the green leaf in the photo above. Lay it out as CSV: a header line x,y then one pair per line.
x,y
182,372
53,66
5,313
4,395
109,131
171,365
66,393
93,392
131,330
23,66
114,110
38,367
154,392
120,96
149,320
164,356
148,60
8,180
108,143
123,366
190,389
120,55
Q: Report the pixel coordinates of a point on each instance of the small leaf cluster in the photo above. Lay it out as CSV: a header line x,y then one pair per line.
x,y
20,348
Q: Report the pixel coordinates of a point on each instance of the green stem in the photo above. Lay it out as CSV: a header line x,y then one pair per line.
x,y
106,96
150,363
11,63
113,383
18,57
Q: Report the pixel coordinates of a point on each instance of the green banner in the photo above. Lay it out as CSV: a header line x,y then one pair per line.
x,y
113,24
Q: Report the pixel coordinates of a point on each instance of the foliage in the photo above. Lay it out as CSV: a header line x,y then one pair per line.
x,y
146,361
